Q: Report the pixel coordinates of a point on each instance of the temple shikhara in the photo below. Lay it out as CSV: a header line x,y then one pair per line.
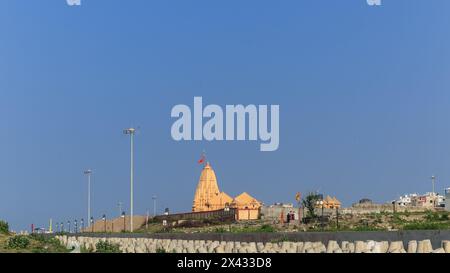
x,y
208,197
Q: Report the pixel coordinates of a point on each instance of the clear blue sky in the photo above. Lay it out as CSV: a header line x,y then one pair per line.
x,y
363,92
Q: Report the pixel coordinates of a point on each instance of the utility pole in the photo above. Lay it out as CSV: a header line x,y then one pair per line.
x,y
119,205
154,197
89,173
433,182
131,132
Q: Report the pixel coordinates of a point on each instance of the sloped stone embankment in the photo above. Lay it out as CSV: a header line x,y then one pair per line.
x,y
148,245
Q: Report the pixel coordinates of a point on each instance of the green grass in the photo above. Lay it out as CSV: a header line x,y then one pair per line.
x,y
426,226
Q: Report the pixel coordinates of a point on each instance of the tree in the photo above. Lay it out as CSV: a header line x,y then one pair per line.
x,y
4,227
309,202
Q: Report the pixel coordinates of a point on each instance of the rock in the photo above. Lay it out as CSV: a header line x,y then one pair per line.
x,y
396,247
344,246
351,248
259,247
424,247
242,250
384,246
219,249
439,250
446,246
311,250
190,249
300,247
140,249
370,245
332,246
360,247
307,246
178,249
412,247
378,247
202,250
320,248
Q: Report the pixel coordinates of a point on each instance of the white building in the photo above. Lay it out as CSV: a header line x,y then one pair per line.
x,y
428,200
406,200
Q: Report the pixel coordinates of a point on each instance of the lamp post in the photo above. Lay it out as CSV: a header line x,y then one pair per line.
x,y
57,227
320,203
337,217
68,227
88,173
124,222
119,205
76,226
82,224
131,132
154,197
433,182
104,221
92,223
62,226
227,210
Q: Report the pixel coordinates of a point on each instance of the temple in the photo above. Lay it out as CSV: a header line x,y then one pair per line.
x,y
331,203
208,197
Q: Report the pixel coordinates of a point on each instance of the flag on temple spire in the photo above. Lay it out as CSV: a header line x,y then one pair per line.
x,y
202,159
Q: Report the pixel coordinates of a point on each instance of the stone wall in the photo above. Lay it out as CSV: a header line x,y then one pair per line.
x,y
151,245
376,208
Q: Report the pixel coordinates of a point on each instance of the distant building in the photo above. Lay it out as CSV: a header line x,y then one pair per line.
x,y
279,212
428,200
406,200
330,203
365,201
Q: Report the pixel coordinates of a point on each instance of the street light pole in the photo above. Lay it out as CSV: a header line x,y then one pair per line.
x,y
154,205
124,222
89,173
433,181
120,208
321,202
131,132
104,221
337,218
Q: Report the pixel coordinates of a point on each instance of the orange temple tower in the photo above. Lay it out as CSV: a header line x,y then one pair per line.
x,y
208,197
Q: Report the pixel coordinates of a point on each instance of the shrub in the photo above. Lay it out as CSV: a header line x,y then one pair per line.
x,y
267,228
220,230
18,242
425,226
4,227
48,243
161,250
107,247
